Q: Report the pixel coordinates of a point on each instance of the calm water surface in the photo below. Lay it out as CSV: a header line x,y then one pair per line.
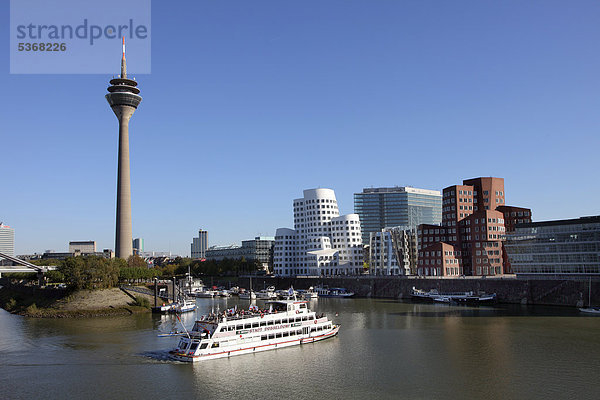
x,y
385,350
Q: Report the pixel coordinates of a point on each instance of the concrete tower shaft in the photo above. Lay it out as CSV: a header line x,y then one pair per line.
x,y
124,99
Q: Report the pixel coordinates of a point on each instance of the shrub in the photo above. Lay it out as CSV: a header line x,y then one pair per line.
x,y
142,301
32,310
11,304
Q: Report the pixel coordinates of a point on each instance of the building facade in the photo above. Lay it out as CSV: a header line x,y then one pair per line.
x,y
380,208
7,240
392,252
322,243
106,253
259,249
138,246
474,225
561,247
86,246
199,245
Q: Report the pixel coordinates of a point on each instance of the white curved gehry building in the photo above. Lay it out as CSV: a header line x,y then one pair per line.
x,y
322,243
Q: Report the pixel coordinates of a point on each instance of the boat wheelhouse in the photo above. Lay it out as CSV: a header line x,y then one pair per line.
x,y
283,323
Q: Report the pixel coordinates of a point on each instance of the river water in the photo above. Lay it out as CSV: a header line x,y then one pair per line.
x,y
385,350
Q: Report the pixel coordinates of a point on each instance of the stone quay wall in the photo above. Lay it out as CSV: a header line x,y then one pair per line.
x,y
533,291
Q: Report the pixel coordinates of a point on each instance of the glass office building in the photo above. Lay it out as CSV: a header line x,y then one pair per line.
x,y
570,246
380,208
7,240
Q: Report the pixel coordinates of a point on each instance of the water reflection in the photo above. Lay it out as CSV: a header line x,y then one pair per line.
x,y
385,349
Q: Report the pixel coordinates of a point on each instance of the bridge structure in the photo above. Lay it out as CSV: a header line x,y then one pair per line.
x,y
24,266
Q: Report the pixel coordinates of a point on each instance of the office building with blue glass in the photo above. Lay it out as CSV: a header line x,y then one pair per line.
x,y
409,207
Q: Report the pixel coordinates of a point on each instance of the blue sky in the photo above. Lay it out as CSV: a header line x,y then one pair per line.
x,y
249,103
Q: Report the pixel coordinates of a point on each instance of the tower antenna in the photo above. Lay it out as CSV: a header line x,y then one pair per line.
x,y
123,64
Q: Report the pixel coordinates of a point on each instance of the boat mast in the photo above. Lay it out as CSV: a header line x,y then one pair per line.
x,y
590,294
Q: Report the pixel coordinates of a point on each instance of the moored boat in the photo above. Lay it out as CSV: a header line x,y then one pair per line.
x,y
310,294
266,294
333,292
284,323
247,295
470,298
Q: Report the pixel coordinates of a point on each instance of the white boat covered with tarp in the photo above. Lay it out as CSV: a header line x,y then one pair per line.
x,y
282,323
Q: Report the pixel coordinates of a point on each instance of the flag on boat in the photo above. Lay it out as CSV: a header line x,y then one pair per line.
x,y
271,308
253,308
291,291
231,310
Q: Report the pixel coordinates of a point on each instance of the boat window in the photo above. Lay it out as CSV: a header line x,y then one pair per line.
x,y
239,327
311,317
246,326
263,337
313,330
272,336
277,321
182,344
215,344
255,324
299,332
203,346
263,323
286,334
303,305
278,335
270,322
292,333
194,346
304,318
232,328
298,319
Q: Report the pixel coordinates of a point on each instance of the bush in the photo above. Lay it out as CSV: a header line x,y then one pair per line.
x,y
142,301
32,310
11,304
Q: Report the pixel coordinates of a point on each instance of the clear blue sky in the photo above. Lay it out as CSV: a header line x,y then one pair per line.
x,y
250,102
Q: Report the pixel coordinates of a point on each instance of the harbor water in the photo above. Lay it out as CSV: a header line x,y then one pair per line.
x,y
385,350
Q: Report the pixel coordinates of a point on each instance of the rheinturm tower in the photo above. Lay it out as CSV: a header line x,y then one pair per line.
x,y
124,99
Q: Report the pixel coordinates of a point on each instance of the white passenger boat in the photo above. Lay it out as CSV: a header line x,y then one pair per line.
x,y
284,323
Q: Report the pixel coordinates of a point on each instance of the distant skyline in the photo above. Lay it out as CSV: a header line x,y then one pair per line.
x,y
250,103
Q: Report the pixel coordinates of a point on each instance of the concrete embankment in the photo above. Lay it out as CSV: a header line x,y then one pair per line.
x,y
568,292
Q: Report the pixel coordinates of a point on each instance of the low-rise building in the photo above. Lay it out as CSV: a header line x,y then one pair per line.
x,y
559,247
85,246
106,253
259,249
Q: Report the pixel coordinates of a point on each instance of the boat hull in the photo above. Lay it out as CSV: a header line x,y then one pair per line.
x,y
273,345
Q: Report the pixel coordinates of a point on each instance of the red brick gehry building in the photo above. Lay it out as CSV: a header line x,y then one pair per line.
x,y
474,220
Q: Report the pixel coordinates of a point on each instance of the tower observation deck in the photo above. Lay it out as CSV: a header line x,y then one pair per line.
x,y
123,98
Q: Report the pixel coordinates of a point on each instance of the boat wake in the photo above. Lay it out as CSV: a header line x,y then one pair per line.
x,y
159,355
